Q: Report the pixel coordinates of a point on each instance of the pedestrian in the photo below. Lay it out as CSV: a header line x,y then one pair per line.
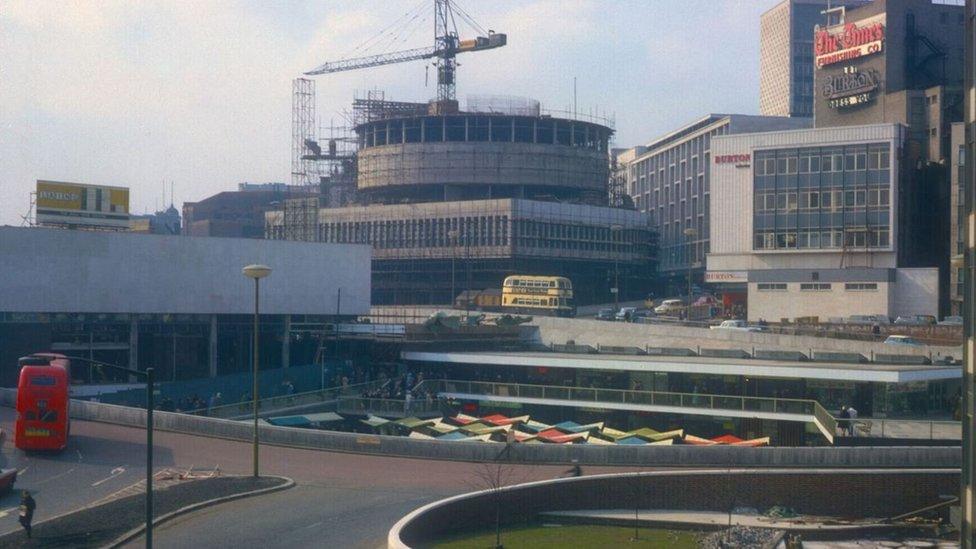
x,y
575,470
27,506
844,422
852,413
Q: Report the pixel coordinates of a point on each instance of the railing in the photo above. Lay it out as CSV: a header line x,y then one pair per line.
x,y
385,406
283,402
904,428
811,408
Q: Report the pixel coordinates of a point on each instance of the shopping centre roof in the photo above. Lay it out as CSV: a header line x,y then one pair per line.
x,y
880,373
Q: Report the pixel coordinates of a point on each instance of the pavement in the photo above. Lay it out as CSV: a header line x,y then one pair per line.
x,y
341,500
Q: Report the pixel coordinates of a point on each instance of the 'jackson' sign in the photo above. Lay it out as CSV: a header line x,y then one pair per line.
x,y
851,88
848,41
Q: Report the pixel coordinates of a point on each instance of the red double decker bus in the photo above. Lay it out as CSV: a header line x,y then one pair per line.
x,y
42,402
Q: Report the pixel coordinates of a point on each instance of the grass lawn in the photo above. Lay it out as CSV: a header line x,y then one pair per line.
x,y
571,536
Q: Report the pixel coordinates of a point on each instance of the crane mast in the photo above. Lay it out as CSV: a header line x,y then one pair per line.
x,y
447,45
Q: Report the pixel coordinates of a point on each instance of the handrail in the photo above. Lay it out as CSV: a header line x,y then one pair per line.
x,y
930,429
282,401
356,404
817,413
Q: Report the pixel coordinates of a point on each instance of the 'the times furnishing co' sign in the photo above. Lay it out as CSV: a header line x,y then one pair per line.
x,y
76,204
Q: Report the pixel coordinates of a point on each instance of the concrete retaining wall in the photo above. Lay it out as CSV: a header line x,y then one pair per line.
x,y
658,456
854,493
595,332
601,333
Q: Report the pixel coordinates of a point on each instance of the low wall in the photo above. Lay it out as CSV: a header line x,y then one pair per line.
x,y
595,332
855,493
657,456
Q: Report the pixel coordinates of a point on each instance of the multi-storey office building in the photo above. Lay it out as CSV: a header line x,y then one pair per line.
x,y
457,201
813,224
786,55
900,61
668,179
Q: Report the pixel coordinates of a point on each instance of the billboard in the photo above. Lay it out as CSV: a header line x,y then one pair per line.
x,y
849,41
78,205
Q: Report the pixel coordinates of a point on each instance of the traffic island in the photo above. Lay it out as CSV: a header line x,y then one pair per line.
x,y
120,520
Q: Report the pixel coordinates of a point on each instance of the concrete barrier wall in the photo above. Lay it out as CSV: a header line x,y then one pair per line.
x,y
851,494
657,456
596,332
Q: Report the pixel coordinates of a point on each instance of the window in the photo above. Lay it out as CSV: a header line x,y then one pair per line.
x,y
878,197
772,287
861,286
814,287
810,200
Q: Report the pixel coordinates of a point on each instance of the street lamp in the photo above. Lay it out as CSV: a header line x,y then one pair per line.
x,y
690,233
148,374
257,272
614,230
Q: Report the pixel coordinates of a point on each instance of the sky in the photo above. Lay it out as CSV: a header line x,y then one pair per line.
x,y
196,96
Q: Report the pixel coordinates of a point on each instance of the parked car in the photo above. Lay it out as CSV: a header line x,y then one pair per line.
x,y
640,314
916,320
669,307
868,319
738,325
903,340
604,314
624,314
951,321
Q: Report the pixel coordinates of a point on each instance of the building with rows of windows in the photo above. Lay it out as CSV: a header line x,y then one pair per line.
x,y
668,179
813,224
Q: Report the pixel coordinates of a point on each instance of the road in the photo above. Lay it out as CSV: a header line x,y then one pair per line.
x,y
341,500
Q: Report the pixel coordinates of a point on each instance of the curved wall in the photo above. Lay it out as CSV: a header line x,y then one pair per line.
x,y
641,456
856,493
473,163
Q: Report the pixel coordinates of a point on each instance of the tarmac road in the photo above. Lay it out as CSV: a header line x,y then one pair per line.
x,y
341,500
97,463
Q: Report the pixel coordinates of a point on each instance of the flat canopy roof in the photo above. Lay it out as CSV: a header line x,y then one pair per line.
x,y
880,373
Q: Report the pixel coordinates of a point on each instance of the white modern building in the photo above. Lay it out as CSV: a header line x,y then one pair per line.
x,y
181,305
668,179
807,223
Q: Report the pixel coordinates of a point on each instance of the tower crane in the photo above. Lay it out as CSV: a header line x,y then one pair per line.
x,y
446,47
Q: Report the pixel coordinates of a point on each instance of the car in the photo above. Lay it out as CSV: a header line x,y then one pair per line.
x,y
903,340
640,314
624,314
605,314
915,320
737,325
868,319
951,321
670,307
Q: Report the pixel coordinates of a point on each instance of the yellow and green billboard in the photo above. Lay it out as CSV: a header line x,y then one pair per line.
x,y
60,203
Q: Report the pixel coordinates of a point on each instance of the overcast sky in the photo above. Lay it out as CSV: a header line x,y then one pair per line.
x,y
136,94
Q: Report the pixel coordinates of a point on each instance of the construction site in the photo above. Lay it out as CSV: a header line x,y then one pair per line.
x,y
454,198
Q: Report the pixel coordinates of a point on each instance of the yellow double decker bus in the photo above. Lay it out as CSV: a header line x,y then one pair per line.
x,y
539,295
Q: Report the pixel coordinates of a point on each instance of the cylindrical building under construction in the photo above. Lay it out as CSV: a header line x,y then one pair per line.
x,y
457,201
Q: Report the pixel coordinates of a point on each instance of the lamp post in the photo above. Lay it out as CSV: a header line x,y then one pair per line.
x,y
150,380
614,231
257,272
690,233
